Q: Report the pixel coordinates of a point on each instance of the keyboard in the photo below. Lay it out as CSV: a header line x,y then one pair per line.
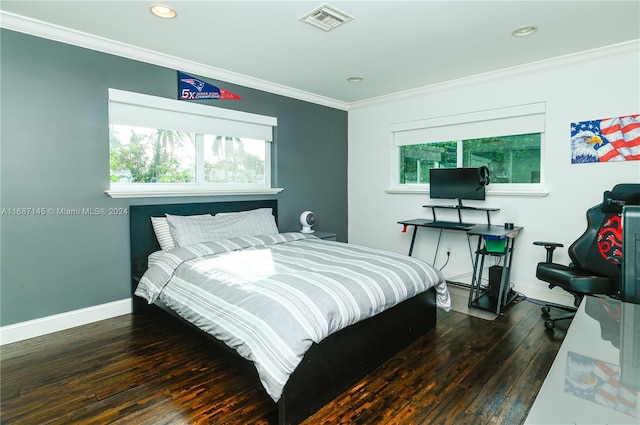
x,y
449,225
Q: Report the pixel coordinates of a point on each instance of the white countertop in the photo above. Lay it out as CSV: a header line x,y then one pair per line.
x,y
583,385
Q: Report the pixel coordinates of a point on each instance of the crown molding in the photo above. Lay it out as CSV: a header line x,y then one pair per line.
x,y
61,34
621,49
77,38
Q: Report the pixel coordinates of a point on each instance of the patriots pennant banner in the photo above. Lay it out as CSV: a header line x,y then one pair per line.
x,y
190,88
609,139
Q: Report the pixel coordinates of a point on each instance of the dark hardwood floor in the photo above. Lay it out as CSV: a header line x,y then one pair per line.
x,y
151,369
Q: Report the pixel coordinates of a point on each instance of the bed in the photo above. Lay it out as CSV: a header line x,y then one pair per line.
x,y
310,361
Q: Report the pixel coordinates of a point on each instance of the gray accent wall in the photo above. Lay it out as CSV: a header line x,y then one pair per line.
x,y
54,155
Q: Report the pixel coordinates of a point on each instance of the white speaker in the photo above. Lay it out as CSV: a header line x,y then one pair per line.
x,y
307,220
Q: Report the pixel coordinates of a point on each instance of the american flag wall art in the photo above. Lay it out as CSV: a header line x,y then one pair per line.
x,y
604,140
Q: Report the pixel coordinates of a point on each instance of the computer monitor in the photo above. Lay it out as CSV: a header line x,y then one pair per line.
x,y
630,279
457,183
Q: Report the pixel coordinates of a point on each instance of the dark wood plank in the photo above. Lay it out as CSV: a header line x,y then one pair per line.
x,y
150,369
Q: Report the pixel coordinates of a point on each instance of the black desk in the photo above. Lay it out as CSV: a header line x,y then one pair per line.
x,y
479,297
419,222
482,297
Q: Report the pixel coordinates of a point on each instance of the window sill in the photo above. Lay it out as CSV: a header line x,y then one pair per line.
x,y
535,193
170,192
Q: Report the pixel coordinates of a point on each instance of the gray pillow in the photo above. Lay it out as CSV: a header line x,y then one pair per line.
x,y
187,230
163,232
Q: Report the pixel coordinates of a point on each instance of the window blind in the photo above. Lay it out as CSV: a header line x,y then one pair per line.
x,y
141,110
521,119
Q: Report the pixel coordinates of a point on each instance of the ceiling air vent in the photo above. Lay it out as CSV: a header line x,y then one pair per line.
x,y
326,18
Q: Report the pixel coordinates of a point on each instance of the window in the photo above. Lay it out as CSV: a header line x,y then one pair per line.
x,y
510,159
508,141
163,146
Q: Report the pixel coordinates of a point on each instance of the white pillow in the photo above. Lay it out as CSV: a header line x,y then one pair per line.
x,y
163,232
190,230
256,222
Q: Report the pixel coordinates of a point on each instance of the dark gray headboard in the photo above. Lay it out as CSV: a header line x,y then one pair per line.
x,y
143,239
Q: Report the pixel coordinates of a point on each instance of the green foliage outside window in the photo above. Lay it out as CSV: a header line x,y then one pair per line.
x,y
233,160
143,155
510,159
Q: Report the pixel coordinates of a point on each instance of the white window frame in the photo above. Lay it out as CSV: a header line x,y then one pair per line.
x,y
141,110
520,119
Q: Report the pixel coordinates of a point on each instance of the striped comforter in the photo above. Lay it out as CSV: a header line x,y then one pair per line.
x,y
271,297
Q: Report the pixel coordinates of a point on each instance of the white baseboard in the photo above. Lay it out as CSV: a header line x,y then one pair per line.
x,y
544,294
58,322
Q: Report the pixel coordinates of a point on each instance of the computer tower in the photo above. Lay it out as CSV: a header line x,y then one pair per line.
x,y
630,279
495,277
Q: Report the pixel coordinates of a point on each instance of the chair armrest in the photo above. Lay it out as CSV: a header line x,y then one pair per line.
x,y
550,247
550,244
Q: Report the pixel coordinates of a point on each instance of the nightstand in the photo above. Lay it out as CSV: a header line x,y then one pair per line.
x,y
325,235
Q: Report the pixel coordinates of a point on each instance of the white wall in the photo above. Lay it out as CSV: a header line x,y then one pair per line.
x,y
591,85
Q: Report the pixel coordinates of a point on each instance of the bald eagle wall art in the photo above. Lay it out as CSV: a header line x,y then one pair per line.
x,y
608,139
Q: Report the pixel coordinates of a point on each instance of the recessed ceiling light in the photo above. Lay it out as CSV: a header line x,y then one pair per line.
x,y
163,11
355,79
524,31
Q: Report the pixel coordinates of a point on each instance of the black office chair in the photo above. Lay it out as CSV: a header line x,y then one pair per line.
x,y
595,256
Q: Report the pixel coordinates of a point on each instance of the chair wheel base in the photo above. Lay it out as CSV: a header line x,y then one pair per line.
x,y
549,324
546,310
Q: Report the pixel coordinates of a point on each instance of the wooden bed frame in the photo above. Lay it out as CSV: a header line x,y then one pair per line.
x,y
328,368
